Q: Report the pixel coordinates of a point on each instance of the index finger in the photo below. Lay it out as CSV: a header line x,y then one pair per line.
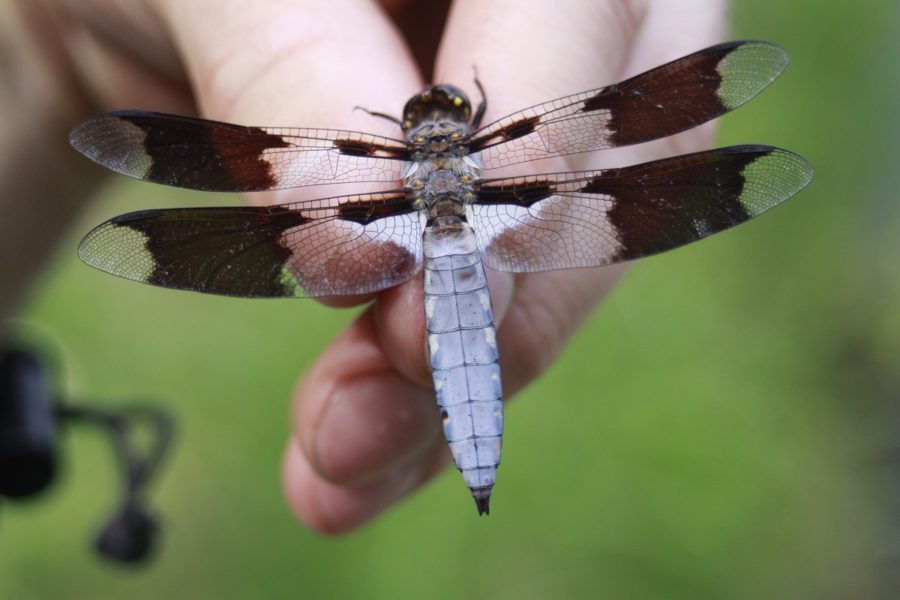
x,y
292,62
295,63
582,46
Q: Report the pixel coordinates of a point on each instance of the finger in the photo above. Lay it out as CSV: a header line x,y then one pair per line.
x,y
579,49
366,415
365,434
668,31
132,29
331,508
528,52
123,55
356,417
368,402
39,100
292,61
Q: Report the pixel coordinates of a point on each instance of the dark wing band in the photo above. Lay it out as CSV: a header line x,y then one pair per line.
x,y
221,157
336,246
664,101
596,218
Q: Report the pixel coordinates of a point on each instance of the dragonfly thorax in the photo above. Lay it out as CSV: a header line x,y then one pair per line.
x,y
439,138
443,180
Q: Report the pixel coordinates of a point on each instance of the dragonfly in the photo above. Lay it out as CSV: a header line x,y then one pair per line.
x,y
443,217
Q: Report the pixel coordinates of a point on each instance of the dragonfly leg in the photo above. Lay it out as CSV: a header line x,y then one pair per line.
x,y
380,115
482,106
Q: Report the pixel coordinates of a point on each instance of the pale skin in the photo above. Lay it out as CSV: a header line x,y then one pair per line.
x,y
365,428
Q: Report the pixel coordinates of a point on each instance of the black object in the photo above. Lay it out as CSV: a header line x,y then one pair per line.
x,y
29,417
129,536
27,426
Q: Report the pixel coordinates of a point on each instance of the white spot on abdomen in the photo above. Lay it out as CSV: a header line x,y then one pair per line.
x,y
490,337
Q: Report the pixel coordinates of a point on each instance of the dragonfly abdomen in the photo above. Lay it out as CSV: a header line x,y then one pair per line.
x,y
462,346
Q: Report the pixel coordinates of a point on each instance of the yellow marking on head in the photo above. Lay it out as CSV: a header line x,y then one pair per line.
x,y
457,101
407,124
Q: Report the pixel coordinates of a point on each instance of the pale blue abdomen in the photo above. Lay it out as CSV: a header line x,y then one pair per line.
x,y
462,346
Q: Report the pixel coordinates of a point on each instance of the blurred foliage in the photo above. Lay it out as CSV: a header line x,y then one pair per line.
x,y
722,426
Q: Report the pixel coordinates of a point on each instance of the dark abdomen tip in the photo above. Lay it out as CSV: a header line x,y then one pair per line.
x,y
482,498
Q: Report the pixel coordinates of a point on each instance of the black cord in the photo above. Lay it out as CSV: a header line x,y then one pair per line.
x,y
138,469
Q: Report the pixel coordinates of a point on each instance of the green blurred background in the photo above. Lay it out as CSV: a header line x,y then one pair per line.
x,y
722,427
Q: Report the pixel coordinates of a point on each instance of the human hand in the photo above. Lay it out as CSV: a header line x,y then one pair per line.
x,y
366,431
365,424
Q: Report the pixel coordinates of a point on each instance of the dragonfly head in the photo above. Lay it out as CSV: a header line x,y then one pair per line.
x,y
437,103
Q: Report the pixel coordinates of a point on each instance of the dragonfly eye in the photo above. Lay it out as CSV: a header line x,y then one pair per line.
x,y
437,103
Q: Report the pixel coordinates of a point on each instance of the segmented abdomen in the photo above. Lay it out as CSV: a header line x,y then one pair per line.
x,y
462,347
